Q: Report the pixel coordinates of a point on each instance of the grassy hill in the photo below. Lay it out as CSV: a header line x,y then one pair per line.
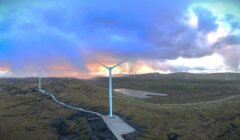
x,y
179,90
25,114
212,121
218,121
184,75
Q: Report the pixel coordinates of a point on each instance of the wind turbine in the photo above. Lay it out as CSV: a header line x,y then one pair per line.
x,y
110,68
40,75
39,83
226,74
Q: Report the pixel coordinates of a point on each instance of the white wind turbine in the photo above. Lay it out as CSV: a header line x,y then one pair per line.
x,y
39,80
187,74
40,74
40,83
110,68
226,75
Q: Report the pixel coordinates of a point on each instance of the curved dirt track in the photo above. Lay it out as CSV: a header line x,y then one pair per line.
x,y
183,104
202,103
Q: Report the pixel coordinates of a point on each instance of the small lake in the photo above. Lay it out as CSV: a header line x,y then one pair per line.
x,y
138,93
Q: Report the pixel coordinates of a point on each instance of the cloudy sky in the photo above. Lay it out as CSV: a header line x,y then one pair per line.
x,y
63,38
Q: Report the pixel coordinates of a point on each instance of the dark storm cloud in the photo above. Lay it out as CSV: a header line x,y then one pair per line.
x,y
229,40
229,48
231,56
232,20
45,32
206,19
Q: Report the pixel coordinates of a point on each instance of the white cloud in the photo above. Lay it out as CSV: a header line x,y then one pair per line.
x,y
213,37
192,20
213,61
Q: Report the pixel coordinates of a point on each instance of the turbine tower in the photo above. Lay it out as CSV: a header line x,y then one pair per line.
x,y
110,68
226,74
40,83
187,74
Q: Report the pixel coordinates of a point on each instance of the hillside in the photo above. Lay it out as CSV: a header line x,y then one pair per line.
x,y
184,75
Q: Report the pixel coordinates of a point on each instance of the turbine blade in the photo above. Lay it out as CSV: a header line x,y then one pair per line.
x,y
120,63
101,64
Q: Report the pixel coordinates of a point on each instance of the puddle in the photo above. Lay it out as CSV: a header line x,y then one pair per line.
x,y
138,93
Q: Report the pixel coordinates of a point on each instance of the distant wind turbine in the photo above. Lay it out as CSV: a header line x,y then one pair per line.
x,y
226,74
40,83
40,80
110,83
187,76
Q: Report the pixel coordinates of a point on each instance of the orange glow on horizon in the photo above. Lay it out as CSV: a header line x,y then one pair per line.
x,y
144,69
139,68
5,69
63,70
